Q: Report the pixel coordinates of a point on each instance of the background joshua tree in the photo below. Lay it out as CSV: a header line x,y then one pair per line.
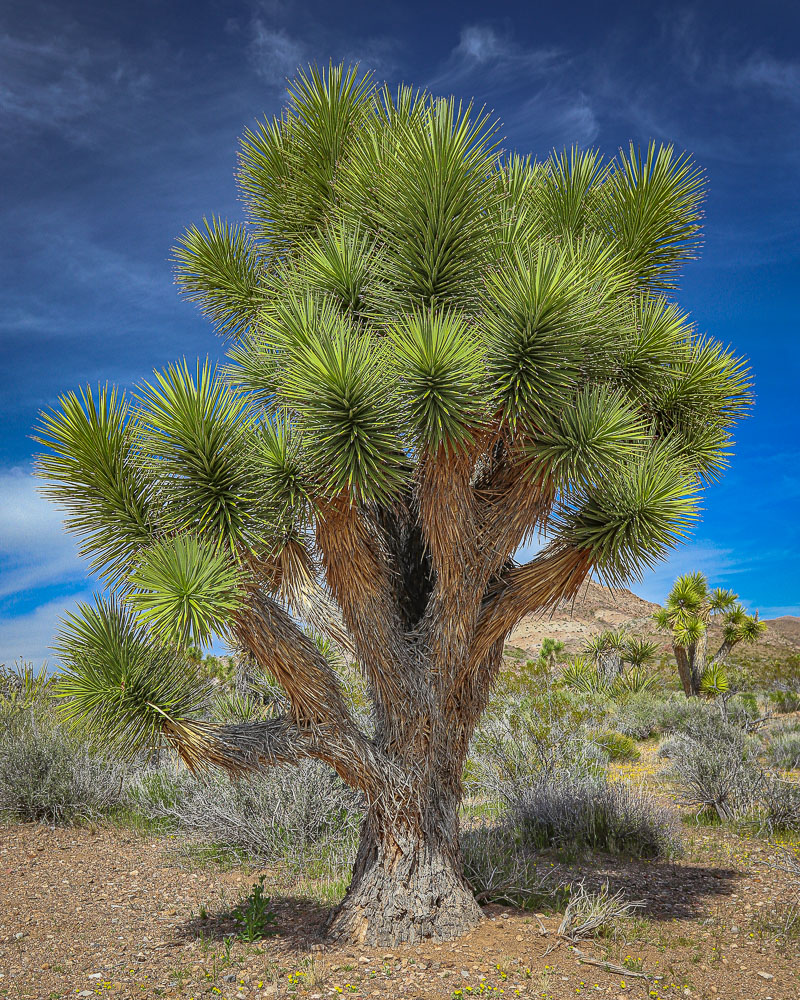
x,y
691,607
438,350
610,649
606,650
551,652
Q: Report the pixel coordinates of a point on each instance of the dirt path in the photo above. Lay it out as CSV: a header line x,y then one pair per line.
x,y
85,913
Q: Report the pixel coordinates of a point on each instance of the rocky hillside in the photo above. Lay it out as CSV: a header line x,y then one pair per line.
x,y
597,607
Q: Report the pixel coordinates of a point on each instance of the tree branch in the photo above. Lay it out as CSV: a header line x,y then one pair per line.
x,y
282,741
359,577
554,575
320,717
512,504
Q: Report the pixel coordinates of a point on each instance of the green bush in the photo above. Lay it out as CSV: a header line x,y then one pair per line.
x,y
618,746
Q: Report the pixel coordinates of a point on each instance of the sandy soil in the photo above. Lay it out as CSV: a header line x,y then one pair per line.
x,y
104,912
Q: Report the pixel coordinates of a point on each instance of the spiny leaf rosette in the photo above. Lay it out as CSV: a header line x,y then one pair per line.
x,y
438,352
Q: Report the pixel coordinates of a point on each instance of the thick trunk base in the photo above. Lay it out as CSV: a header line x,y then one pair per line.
x,y
406,895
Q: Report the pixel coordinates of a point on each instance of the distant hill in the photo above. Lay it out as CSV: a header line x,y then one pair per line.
x,y
597,607
787,627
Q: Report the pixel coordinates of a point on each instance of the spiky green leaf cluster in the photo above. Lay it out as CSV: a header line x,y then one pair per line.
x,y
119,682
185,590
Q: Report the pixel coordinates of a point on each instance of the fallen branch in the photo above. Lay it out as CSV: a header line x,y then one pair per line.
x,y
618,970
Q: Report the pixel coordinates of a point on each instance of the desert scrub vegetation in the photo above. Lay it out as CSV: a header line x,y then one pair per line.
x,y
783,749
47,774
292,818
587,812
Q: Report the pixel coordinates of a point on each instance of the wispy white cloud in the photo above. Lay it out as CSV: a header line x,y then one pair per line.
x,y
274,54
779,611
545,104
34,550
778,77
30,636
496,59
717,563
554,119
60,84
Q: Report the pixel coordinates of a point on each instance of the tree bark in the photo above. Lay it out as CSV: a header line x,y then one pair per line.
x,y
684,670
407,883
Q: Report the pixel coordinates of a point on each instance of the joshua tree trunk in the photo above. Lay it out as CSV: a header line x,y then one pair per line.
x,y
684,656
407,881
430,645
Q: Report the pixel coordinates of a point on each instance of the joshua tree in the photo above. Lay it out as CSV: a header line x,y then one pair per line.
x,y
551,653
607,651
438,350
690,608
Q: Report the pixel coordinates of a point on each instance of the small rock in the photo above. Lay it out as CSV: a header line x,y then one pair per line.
x,y
141,957
95,975
85,993
765,975
231,977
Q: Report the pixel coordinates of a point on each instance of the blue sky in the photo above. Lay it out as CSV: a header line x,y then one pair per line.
x,y
119,125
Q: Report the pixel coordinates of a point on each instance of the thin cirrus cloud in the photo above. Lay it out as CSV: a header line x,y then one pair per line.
x,y
496,57
35,551
778,77
275,53
61,83
549,110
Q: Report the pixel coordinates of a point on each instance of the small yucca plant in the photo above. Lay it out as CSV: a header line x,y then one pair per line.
x,y
582,675
633,681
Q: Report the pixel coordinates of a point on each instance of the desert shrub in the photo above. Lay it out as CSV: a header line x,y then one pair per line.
x,y
715,767
578,812
617,746
645,714
785,700
783,750
638,716
680,714
499,869
538,737
593,914
290,815
779,805
48,776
